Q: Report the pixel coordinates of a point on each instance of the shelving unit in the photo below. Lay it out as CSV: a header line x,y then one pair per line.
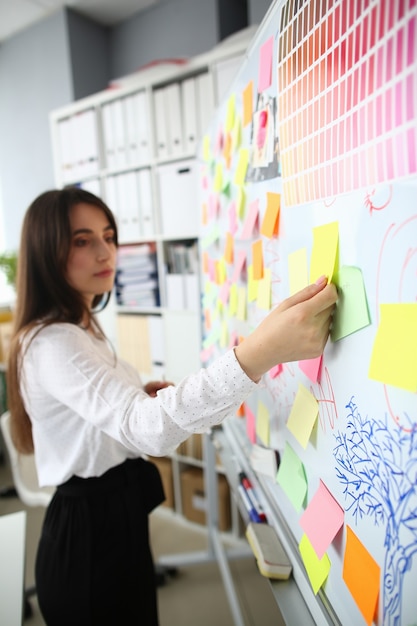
x,y
135,146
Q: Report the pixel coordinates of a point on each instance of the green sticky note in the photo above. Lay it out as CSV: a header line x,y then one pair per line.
x,y
351,312
291,476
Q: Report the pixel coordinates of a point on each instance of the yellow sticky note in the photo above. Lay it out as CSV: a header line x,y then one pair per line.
x,y
206,148
325,253
257,259
240,202
262,423
297,270
303,415
236,135
248,103
230,113
361,574
317,569
242,166
218,177
269,226
241,304
394,354
221,271
252,285
264,290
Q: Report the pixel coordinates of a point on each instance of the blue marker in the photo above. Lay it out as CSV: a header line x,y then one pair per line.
x,y
254,517
253,498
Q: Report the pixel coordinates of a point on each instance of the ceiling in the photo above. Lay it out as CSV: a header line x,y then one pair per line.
x,y
15,15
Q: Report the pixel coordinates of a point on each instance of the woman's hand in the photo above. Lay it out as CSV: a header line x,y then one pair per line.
x,y
155,385
296,329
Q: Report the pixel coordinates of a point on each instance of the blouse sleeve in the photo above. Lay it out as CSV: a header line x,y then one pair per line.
x,y
70,370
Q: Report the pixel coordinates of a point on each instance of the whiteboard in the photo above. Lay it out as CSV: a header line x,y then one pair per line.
x,y
331,131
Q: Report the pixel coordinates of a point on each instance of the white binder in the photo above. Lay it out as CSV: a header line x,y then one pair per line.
x,y
173,109
148,227
117,110
161,124
143,124
111,197
109,136
189,115
205,102
66,149
132,130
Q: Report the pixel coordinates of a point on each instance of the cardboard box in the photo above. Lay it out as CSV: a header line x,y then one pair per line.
x,y
164,465
194,500
5,338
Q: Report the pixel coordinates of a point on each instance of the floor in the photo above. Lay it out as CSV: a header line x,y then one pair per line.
x,y
196,594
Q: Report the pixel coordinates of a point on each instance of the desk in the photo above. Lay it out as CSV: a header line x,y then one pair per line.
x,y
12,567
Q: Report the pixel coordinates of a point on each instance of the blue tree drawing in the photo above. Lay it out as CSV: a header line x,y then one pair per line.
x,y
377,467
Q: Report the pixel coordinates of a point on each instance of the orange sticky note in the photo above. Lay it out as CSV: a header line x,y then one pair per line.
x,y
269,226
362,574
248,103
228,252
257,260
204,213
205,262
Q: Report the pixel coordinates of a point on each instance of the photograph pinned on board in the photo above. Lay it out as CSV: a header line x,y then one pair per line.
x,y
264,162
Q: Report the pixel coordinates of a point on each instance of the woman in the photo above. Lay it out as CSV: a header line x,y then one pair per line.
x,y
89,419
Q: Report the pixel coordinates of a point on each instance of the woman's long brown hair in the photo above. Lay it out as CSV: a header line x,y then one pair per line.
x,y
43,294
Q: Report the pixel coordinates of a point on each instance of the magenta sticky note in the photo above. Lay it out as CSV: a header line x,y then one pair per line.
x,y
265,65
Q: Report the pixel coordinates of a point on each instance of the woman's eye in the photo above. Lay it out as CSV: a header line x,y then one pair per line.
x,y
79,243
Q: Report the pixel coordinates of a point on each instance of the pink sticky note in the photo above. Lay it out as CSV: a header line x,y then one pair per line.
x,y
322,520
239,264
275,371
233,223
265,65
250,425
251,220
311,368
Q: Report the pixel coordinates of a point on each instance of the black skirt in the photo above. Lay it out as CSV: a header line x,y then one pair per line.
x,y
94,564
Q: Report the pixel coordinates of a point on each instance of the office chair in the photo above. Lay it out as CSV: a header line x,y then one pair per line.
x,y
25,479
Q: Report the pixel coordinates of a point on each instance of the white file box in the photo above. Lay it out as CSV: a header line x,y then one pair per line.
x,y
178,199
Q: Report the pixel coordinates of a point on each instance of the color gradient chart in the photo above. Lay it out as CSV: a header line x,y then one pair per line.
x,y
347,95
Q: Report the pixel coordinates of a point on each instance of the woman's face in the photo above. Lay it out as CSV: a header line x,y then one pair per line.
x,y
92,259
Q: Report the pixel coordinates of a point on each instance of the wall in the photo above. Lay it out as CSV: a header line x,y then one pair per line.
x,y
170,29
35,77
66,57
89,54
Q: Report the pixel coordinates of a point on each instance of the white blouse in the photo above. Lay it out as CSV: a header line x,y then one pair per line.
x,y
89,411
